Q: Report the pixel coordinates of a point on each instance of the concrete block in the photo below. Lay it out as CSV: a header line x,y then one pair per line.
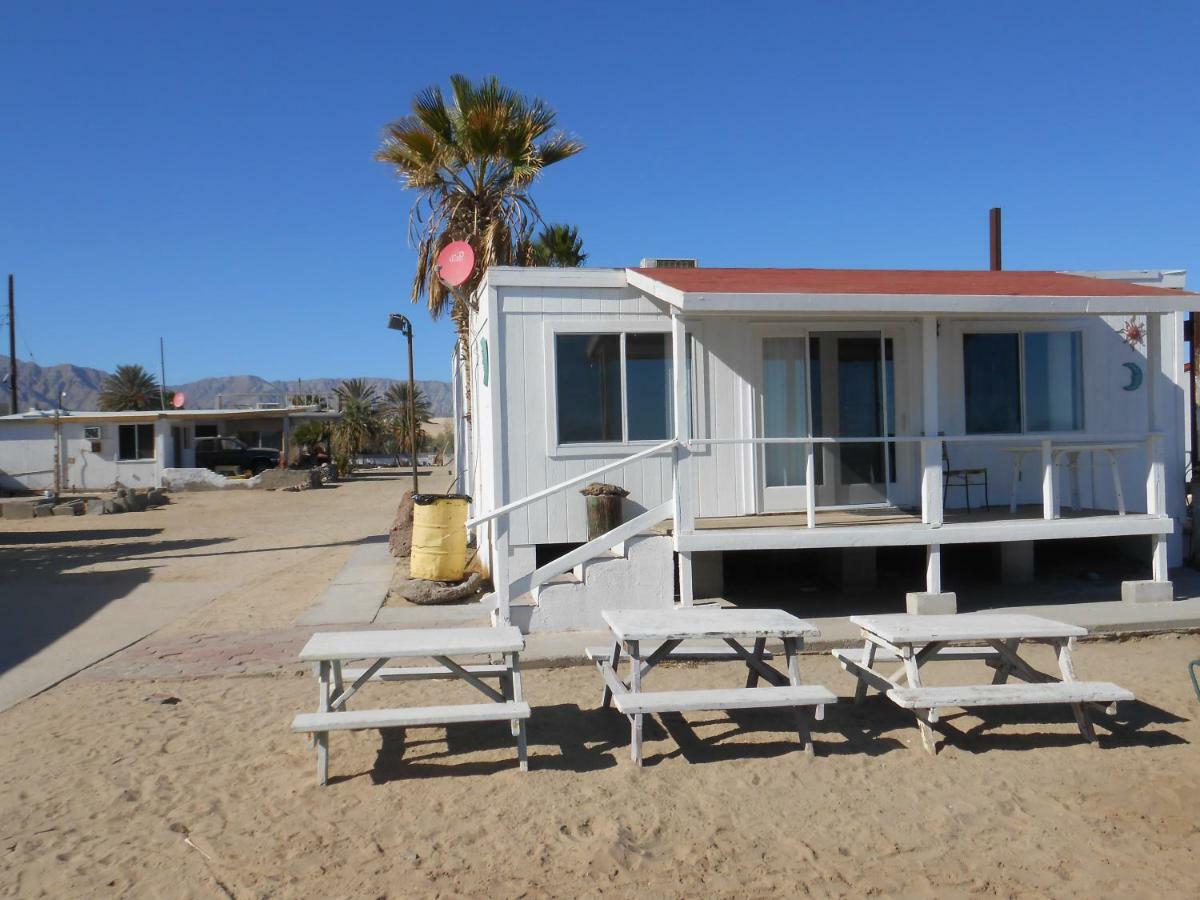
x,y
920,603
95,506
1147,592
22,508
70,508
708,574
1016,562
857,568
43,510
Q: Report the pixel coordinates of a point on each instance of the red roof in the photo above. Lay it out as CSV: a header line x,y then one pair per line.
x,y
897,281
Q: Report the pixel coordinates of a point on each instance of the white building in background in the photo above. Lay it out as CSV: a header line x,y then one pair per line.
x,y
102,450
805,409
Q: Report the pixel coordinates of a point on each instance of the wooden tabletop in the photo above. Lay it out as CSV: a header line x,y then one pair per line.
x,y
334,645
705,622
901,628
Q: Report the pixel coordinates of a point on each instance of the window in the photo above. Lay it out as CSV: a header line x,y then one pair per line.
x,y
203,431
135,442
1026,381
612,387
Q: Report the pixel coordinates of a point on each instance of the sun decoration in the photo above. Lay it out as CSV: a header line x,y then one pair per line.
x,y
1133,333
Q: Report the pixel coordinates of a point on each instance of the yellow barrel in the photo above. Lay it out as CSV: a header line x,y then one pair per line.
x,y
439,538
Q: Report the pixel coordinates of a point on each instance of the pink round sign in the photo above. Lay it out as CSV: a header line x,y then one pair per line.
x,y
455,263
178,400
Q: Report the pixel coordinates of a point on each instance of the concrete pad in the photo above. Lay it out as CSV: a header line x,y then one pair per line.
x,y
1138,592
54,629
357,592
920,603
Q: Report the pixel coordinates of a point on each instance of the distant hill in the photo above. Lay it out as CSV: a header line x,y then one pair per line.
x,y
40,387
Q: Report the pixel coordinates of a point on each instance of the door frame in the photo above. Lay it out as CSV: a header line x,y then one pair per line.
x,y
892,331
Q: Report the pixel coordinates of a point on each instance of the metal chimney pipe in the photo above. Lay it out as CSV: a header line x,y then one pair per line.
x,y
994,238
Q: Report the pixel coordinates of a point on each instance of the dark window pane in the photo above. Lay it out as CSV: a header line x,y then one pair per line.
x,y
145,441
992,382
588,385
126,442
648,386
1054,380
859,409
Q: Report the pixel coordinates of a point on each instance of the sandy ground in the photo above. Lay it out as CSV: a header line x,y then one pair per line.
x,y
103,789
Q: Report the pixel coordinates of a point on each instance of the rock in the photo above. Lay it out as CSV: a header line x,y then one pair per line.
x,y
70,508
135,500
157,497
95,506
289,479
418,590
400,535
114,506
164,699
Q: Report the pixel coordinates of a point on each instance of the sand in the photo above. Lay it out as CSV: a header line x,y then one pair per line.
x,y
100,787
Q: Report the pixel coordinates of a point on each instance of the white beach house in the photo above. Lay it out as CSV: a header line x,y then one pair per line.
x,y
809,408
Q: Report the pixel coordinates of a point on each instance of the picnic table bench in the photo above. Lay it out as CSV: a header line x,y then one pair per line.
x,y
915,640
666,630
337,684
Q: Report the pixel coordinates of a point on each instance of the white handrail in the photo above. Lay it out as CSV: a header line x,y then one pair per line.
x,y
546,492
1031,437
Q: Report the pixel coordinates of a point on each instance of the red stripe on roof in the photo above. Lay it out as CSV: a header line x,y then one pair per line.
x,y
897,281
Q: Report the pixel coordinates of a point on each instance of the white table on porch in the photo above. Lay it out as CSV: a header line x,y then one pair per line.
x,y
667,629
329,650
915,640
1072,451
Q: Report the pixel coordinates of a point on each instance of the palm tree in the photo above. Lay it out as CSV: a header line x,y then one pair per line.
x,y
358,422
472,161
130,387
559,246
395,407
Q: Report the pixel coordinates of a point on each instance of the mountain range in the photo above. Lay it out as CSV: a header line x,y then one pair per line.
x,y
41,386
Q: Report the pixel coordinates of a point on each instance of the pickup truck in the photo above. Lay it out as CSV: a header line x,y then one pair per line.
x,y
230,453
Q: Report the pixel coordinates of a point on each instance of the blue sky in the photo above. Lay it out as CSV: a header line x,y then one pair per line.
x,y
204,171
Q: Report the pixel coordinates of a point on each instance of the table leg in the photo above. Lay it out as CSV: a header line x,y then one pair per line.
x,y
793,667
913,673
867,661
614,660
1067,667
760,645
338,684
1004,667
635,686
322,737
513,661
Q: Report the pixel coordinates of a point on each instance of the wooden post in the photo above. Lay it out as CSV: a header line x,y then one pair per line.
x,y
931,447
1156,489
682,481
1049,498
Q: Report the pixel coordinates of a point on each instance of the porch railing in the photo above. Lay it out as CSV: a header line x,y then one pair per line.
x,y
932,501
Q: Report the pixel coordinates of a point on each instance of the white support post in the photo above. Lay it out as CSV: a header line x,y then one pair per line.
x,y
496,415
500,577
1156,488
931,448
933,569
810,479
684,515
1049,494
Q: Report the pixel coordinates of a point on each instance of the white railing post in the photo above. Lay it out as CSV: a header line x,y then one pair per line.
x,y
500,579
932,501
1049,492
682,480
810,481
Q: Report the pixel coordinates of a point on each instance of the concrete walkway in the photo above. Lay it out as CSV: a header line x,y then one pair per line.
x,y
356,594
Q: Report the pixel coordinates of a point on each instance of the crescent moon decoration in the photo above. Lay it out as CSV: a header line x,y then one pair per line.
x,y
1135,376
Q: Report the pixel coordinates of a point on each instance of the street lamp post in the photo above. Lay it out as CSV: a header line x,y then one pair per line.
x,y
400,323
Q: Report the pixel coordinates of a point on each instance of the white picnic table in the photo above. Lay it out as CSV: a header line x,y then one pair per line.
x,y
915,640
1072,451
328,651
636,631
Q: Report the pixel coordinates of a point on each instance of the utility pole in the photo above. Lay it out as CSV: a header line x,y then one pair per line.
x,y
12,345
162,372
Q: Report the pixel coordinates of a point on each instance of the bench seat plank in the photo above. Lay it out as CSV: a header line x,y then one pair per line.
x,y
410,642
1011,694
416,673
723,698
359,720
855,654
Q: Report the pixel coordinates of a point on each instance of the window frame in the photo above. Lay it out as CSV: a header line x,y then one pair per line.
x,y
1020,330
138,448
621,327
